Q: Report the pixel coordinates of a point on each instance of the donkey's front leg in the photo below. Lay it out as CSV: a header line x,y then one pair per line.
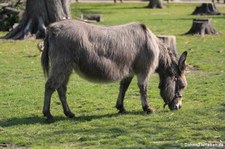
x,y
124,84
143,86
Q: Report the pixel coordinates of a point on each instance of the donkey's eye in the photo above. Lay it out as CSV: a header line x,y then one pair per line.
x,y
182,87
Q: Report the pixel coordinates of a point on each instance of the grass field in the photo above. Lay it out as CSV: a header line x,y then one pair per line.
x,y
201,121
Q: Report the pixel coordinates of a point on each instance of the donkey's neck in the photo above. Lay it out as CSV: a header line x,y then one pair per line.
x,y
167,61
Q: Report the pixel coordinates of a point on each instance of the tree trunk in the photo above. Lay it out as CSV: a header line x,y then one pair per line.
x,y
155,4
206,9
37,16
202,27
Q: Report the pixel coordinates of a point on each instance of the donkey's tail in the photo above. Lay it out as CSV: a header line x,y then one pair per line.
x,y
45,57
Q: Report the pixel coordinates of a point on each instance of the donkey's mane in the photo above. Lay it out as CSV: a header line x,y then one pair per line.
x,y
168,60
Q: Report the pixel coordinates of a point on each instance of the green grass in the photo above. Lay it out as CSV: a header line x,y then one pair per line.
x,y
97,124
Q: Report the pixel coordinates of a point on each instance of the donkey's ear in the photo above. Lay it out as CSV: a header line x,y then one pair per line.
x,y
181,62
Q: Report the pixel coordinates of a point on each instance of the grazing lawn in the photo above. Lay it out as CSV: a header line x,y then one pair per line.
x,y
201,121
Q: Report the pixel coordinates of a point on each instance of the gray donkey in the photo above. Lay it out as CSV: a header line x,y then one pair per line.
x,y
107,54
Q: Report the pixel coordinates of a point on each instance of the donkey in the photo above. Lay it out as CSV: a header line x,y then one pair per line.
x,y
107,54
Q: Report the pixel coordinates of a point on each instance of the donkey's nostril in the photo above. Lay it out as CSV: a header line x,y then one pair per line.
x,y
180,106
177,107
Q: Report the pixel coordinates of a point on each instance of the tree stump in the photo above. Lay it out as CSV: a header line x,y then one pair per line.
x,y
202,27
169,42
218,1
93,17
206,9
115,1
39,14
155,4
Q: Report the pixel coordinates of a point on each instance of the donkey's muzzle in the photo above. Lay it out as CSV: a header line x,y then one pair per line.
x,y
175,107
176,103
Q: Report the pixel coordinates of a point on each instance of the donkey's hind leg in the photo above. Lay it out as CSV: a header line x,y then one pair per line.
x,y
124,84
57,79
62,96
49,90
143,86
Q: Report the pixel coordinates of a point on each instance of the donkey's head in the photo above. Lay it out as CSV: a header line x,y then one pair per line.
x,y
172,84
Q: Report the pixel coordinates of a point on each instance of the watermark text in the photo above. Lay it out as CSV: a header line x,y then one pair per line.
x,y
216,145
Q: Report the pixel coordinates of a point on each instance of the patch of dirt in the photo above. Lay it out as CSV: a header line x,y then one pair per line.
x,y
195,69
6,145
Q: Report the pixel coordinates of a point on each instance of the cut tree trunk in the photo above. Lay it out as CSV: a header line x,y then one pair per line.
x,y
169,42
206,9
37,16
10,11
92,17
155,4
218,1
95,17
115,1
202,27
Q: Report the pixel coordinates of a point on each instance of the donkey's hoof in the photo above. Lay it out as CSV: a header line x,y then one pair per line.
x,y
48,115
70,115
150,111
122,111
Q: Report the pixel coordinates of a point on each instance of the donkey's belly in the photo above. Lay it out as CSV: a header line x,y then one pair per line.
x,y
104,72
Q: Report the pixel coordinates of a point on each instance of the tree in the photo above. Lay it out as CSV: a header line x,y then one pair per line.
x,y
37,16
155,4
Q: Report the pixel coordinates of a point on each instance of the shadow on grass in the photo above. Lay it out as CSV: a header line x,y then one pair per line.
x,y
42,120
98,9
94,10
